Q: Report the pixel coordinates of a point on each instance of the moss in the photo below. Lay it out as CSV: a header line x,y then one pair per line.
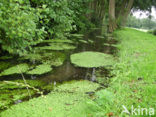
x,y
66,100
57,46
91,59
21,68
40,69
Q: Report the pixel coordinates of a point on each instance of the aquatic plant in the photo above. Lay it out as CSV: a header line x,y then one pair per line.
x,y
91,59
77,35
40,69
31,56
50,58
53,58
90,41
57,41
83,41
17,69
6,57
66,99
8,97
57,46
101,37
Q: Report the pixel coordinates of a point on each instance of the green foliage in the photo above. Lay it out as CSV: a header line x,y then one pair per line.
x,y
18,25
91,59
40,69
80,9
55,16
21,68
26,23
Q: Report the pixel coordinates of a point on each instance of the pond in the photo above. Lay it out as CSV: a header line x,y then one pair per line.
x,y
62,70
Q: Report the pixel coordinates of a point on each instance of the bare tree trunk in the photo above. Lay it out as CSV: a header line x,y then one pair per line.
x,y
112,22
127,11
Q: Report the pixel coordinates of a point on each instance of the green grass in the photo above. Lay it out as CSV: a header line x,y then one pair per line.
x,y
135,74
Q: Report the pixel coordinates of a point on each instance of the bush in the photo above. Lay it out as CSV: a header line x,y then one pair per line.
x,y
18,25
25,22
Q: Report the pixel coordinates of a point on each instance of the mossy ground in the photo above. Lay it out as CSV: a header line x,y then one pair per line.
x,y
66,100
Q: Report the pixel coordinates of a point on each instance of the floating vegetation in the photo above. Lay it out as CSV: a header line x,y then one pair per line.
x,y
65,98
57,46
8,97
53,58
34,83
77,35
83,41
90,41
32,57
6,57
101,37
107,44
40,69
90,59
19,92
58,41
21,68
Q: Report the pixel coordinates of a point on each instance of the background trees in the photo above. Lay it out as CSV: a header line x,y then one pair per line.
x,y
145,23
123,9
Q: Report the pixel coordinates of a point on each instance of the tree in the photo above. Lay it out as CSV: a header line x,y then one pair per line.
x,y
120,9
112,22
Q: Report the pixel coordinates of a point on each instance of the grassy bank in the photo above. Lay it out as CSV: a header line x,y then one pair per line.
x,y
135,75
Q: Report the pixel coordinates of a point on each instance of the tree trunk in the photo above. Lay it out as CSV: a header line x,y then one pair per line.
x,y
112,22
127,11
